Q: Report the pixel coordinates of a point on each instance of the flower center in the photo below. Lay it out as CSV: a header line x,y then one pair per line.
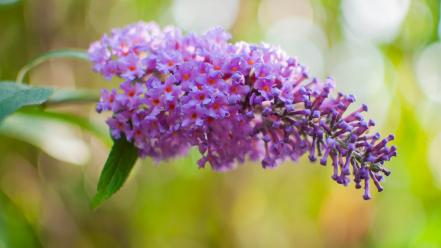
x,y
168,89
234,89
131,93
216,106
171,106
266,88
138,133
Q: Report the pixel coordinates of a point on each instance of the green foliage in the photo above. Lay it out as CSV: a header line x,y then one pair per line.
x,y
117,168
13,96
7,2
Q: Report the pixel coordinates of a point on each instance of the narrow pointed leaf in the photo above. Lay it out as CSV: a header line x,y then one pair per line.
x,y
117,168
13,96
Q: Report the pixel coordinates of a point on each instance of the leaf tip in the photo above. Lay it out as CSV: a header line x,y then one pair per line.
x,y
96,201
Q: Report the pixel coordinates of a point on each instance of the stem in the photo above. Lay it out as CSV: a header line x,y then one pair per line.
x,y
64,53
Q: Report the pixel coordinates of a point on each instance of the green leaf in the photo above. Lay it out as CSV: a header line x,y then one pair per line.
x,y
14,96
7,2
117,168
65,53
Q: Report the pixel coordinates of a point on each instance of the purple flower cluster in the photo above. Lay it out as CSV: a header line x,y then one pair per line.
x,y
233,101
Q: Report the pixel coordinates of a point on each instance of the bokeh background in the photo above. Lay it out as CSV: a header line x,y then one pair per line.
x,y
386,52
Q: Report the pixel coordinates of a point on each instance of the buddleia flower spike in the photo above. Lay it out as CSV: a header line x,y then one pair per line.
x,y
233,101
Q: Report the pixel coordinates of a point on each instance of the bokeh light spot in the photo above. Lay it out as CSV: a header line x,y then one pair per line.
x,y
376,20
301,38
428,71
199,15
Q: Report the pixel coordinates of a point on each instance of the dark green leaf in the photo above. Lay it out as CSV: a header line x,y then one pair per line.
x,y
117,168
14,96
65,53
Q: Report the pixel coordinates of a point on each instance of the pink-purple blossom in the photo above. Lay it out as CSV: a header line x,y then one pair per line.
x,y
233,101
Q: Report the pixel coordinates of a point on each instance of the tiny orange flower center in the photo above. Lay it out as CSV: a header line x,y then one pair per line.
x,y
168,89
234,89
266,88
131,93
216,106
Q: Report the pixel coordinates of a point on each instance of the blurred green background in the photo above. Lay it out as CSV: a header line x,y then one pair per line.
x,y
386,52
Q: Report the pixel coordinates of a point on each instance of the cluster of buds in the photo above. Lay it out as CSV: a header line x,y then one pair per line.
x,y
233,101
